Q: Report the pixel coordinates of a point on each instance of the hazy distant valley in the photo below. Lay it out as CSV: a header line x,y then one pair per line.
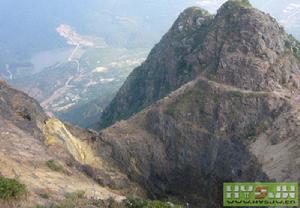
x,y
85,70
92,48
88,70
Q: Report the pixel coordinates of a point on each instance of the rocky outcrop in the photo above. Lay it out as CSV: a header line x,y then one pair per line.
x,y
248,49
48,157
21,110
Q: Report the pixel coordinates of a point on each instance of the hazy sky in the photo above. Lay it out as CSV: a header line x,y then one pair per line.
x,y
31,24
287,12
266,5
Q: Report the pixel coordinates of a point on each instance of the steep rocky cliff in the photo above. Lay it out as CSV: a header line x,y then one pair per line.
x,y
49,157
240,46
234,114
165,69
21,110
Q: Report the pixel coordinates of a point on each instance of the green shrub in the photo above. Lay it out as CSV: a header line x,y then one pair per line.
x,y
136,203
294,45
171,110
11,189
78,200
53,165
242,3
142,203
72,200
237,94
75,195
250,132
38,206
45,195
263,126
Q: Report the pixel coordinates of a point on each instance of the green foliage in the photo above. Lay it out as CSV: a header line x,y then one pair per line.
x,y
263,126
171,110
72,200
11,189
294,45
196,11
78,200
241,94
75,195
53,165
231,49
142,203
250,132
241,3
45,195
237,94
234,5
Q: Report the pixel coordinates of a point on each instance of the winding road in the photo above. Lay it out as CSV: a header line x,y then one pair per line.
x,y
61,91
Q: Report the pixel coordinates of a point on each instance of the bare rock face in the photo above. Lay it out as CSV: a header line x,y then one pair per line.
x,y
49,157
248,49
165,69
21,110
216,101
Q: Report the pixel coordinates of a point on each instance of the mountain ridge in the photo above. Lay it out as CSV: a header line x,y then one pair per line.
x,y
226,122
156,58
207,58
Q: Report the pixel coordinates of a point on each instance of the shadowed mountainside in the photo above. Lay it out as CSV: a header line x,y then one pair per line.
x,y
233,116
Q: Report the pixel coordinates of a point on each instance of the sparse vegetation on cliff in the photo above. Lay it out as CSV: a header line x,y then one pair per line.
x,y
11,189
241,3
294,46
142,203
53,165
78,200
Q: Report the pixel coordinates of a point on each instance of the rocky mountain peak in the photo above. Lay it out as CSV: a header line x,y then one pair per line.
x,y
237,18
248,49
232,5
165,68
190,20
240,46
